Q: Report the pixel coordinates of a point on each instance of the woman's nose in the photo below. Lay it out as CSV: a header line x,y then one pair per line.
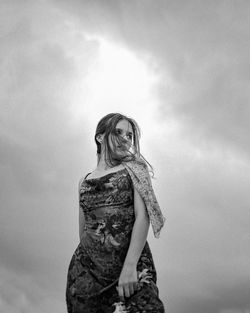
x,y
127,142
124,137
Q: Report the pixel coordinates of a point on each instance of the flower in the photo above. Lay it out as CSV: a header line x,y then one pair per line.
x,y
100,227
144,277
120,307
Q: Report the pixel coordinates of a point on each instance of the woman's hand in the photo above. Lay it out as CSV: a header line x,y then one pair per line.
x,y
127,283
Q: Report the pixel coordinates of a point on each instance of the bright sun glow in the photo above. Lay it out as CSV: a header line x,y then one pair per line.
x,y
117,81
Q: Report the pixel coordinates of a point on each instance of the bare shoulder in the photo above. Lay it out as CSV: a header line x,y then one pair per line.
x,y
80,181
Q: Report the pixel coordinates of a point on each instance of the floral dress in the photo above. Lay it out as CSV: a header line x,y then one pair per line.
x,y
94,270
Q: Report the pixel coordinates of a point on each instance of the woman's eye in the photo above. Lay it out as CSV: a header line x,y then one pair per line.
x,y
130,137
118,132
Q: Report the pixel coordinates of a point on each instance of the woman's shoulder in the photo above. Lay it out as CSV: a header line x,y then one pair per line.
x,y
80,181
82,178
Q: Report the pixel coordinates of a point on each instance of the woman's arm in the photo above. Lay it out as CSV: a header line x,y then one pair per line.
x,y
128,277
81,215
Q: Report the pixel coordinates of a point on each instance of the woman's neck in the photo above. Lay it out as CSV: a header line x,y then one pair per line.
x,y
102,165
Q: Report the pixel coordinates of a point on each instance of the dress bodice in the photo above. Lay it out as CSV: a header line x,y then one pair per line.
x,y
110,190
108,206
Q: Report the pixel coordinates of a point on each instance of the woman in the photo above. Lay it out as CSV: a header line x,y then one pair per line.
x,y
112,269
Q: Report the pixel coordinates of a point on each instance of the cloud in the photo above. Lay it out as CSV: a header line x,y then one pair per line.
x,y
37,80
37,136
206,232
19,292
201,52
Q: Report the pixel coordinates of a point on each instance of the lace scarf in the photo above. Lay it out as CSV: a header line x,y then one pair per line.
x,y
142,182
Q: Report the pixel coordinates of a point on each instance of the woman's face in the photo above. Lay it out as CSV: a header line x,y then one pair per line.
x,y
124,132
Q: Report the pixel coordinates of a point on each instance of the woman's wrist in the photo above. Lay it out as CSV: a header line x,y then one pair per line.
x,y
130,264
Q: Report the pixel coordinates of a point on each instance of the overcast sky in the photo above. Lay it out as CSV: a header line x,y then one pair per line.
x,y
182,70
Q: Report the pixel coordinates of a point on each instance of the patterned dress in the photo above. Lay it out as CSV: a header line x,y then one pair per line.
x,y
94,270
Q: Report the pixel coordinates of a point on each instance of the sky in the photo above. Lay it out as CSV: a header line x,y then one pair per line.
x,y
181,69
